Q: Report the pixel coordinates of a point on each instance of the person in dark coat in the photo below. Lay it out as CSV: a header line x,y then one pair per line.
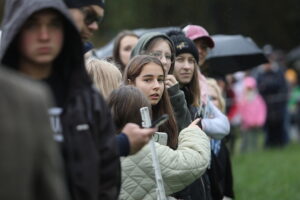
x,y
40,41
273,87
31,166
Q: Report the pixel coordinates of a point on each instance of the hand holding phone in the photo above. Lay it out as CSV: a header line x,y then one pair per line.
x,y
162,119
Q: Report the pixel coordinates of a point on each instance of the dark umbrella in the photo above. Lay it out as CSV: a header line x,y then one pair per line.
x,y
233,53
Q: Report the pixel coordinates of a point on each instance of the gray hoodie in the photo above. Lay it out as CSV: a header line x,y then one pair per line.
x,y
177,97
89,148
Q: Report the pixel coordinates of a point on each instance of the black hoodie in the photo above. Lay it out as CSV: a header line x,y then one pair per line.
x,y
89,146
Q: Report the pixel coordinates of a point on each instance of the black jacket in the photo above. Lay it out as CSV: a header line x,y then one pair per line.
x,y
89,147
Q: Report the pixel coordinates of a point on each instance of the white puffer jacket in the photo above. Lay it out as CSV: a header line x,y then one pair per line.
x,y
179,168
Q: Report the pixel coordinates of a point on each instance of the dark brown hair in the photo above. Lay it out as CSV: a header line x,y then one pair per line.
x,y
125,103
116,47
133,70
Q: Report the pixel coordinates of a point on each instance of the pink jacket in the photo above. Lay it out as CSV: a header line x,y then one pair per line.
x,y
252,109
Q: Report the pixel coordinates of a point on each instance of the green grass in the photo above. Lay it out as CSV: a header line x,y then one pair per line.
x,y
268,174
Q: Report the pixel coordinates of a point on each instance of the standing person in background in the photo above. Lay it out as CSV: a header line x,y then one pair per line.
x,y
31,166
272,85
252,109
40,41
123,45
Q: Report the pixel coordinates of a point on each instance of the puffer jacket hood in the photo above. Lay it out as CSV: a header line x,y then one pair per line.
x,y
68,68
144,42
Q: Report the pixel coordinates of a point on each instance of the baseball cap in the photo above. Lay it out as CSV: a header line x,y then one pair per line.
x,y
195,32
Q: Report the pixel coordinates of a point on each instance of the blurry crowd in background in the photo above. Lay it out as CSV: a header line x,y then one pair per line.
x,y
220,95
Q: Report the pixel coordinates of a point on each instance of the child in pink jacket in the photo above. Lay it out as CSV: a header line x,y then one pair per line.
x,y
252,109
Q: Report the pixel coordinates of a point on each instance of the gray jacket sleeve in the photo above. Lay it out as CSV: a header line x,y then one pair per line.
x,y
215,124
182,114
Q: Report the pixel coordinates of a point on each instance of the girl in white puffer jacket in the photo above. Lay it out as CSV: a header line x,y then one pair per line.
x,y
179,167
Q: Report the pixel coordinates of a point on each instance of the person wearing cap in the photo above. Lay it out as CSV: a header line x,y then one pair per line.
x,y
202,40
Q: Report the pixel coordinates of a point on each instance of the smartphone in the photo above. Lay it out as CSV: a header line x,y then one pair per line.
x,y
162,119
160,137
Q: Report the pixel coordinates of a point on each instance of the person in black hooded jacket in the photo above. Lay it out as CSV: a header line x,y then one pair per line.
x,y
40,40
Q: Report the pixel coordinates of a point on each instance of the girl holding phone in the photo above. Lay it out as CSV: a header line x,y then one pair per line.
x,y
179,167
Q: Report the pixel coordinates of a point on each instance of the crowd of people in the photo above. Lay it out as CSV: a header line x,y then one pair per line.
x,y
71,122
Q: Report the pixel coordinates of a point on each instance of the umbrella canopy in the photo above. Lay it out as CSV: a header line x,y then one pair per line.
x,y
233,53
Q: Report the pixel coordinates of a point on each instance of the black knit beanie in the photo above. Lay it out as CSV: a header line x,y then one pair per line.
x,y
183,44
83,3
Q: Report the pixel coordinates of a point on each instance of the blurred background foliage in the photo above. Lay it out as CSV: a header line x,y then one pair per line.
x,y
266,21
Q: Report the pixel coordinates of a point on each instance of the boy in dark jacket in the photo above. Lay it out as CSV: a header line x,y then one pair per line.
x,y
40,40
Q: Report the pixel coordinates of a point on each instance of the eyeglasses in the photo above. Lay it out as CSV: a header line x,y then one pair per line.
x,y
160,55
91,16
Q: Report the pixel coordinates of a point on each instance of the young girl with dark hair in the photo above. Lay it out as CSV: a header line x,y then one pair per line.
x,y
147,73
178,167
160,46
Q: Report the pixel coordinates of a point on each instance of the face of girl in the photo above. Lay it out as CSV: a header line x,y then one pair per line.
x,y
151,82
213,96
184,68
162,51
126,45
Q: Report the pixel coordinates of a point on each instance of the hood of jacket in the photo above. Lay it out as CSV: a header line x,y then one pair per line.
x,y
144,42
68,70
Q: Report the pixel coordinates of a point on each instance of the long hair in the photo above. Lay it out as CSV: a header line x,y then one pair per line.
x,y
132,71
192,89
116,47
213,83
125,103
105,75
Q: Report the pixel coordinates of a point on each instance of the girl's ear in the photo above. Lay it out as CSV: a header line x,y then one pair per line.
x,y
130,82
